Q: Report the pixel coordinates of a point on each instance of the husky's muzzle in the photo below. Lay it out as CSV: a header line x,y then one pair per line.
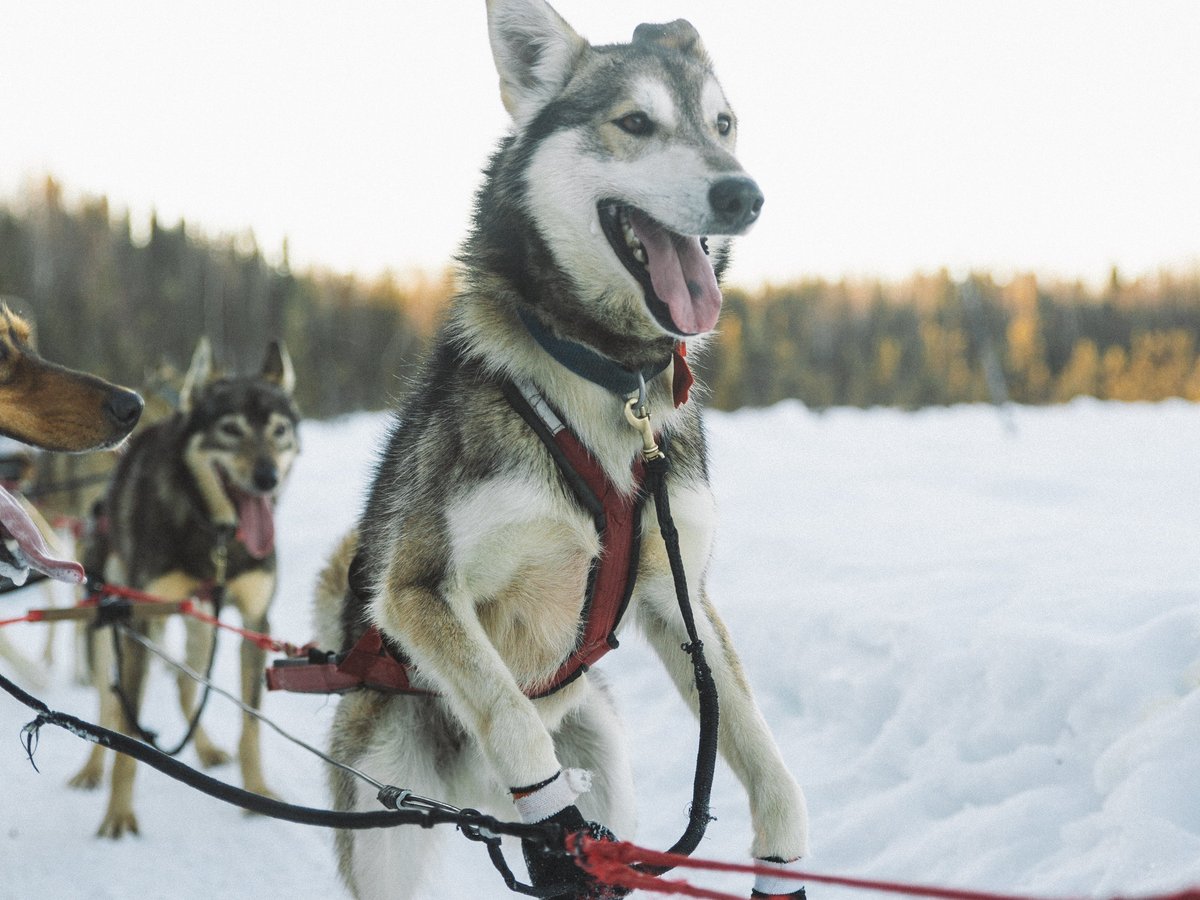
x,y
674,269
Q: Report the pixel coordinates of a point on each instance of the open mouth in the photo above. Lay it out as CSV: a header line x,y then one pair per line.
x,y
23,547
674,269
256,517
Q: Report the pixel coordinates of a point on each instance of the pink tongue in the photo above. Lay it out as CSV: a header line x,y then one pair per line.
x,y
256,525
681,274
33,546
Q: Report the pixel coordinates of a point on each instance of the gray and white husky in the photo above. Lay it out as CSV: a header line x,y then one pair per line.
x,y
598,238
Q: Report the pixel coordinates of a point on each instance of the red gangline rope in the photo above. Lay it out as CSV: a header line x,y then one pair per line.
x,y
31,616
610,861
189,608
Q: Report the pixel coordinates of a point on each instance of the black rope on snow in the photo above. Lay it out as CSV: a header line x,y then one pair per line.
x,y
276,809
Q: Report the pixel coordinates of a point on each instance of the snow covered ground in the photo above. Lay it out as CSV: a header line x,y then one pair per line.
x,y
979,649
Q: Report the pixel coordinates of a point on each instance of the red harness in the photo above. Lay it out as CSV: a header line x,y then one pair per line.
x,y
617,517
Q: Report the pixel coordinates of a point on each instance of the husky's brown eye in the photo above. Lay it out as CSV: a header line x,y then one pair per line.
x,y
635,123
724,124
231,429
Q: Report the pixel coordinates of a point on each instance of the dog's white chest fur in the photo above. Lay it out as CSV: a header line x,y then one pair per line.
x,y
520,556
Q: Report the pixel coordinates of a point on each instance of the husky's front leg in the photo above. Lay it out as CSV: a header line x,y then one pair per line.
x,y
253,592
448,644
777,807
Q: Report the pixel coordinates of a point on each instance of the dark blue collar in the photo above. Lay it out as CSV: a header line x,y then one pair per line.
x,y
586,362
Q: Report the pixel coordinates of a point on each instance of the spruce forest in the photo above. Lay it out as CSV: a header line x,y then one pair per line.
x,y
125,305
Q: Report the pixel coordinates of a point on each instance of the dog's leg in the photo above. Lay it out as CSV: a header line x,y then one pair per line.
x,y
199,645
388,738
80,650
119,817
447,641
100,662
777,806
253,592
97,652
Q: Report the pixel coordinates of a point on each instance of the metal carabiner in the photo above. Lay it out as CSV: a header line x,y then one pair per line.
x,y
638,417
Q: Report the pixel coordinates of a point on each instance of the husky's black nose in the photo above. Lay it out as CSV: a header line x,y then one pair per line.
x,y
266,475
123,408
735,202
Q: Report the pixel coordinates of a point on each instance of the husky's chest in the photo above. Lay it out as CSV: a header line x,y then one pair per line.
x,y
521,553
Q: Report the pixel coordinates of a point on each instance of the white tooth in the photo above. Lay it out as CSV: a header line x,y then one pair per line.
x,y
639,253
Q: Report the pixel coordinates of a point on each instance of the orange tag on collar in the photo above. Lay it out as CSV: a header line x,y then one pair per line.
x,y
681,375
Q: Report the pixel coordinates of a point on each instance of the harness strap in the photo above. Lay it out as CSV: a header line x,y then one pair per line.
x,y
617,519
586,362
599,369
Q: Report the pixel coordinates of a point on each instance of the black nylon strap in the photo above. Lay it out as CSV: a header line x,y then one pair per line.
x,y
276,809
706,689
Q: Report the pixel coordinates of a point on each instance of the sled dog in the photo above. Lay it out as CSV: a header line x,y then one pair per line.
x,y
599,233
53,408
191,489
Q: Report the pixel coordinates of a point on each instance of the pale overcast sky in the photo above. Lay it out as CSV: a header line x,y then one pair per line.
x,y
1061,137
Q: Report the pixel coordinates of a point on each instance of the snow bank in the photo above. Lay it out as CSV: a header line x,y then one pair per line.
x,y
979,649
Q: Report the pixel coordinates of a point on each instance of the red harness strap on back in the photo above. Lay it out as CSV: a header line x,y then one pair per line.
x,y
610,583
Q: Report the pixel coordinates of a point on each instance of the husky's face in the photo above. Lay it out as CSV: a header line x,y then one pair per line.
x,y
247,430
241,440
630,176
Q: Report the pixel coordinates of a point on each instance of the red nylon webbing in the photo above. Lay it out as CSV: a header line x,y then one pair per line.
x,y
610,862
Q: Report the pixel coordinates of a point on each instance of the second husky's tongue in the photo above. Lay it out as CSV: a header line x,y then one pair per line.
x,y
681,274
33,550
256,524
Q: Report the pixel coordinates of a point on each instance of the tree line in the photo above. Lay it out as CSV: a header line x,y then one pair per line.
x,y
931,340
122,304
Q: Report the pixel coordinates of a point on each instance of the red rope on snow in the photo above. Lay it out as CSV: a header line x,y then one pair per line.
x,y
610,862
264,641
189,608
33,615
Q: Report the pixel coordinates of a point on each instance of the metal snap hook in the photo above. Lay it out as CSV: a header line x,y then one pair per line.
x,y
640,421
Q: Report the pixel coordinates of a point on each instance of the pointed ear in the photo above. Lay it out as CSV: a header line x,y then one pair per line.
x,y
535,52
198,374
277,367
